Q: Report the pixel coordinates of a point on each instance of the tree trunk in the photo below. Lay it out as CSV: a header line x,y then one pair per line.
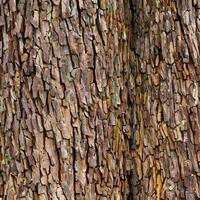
x,y
99,99
65,116
166,42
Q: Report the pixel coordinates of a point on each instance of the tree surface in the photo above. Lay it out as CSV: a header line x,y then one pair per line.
x,y
166,98
99,99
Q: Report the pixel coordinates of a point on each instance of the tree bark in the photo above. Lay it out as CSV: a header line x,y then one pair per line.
x,y
166,98
65,117
99,99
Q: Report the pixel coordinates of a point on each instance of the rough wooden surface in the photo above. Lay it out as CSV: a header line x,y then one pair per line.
x,y
99,99
166,98
65,117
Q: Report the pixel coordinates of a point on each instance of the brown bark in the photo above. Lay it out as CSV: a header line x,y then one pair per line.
x,y
99,99
65,120
166,98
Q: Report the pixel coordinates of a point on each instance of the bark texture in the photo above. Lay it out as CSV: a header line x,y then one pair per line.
x,y
166,41
65,120
99,99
